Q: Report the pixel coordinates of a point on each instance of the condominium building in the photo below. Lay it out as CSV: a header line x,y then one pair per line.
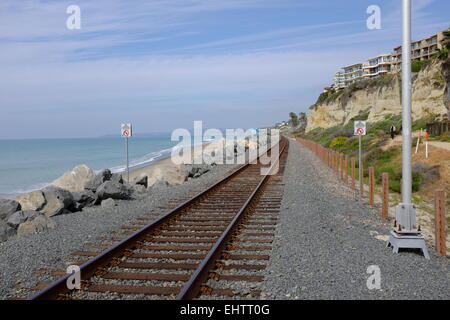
x,y
353,73
339,82
420,50
377,66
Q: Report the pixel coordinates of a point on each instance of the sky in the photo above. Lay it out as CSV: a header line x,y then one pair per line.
x,y
161,64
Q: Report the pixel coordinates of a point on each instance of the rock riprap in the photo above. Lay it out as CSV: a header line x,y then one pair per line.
x,y
38,224
171,174
98,180
20,217
141,180
110,189
31,201
75,180
84,199
8,207
58,201
6,231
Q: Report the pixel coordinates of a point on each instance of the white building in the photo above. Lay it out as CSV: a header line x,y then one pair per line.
x,y
377,66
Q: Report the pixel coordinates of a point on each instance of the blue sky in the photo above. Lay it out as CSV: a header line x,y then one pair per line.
x,y
163,64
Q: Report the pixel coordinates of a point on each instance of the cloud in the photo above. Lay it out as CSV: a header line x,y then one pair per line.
x,y
163,61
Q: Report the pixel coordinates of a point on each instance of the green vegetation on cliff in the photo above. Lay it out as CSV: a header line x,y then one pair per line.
x,y
332,95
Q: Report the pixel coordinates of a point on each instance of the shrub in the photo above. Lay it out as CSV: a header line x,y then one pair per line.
x,y
323,96
338,142
395,186
416,180
416,66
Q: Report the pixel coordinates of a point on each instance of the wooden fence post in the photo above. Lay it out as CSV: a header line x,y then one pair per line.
x,y
337,162
353,173
334,161
440,223
346,170
371,185
385,209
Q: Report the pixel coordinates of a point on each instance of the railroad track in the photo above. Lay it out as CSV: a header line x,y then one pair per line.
x,y
212,245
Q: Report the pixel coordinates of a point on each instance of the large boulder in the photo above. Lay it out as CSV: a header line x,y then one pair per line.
x,y
75,180
6,231
171,175
8,207
83,199
141,180
20,217
98,180
197,171
31,201
58,201
116,178
112,190
38,224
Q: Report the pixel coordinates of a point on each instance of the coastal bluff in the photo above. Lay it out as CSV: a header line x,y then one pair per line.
x,y
381,96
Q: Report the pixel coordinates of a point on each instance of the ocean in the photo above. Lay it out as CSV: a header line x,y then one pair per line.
x,y
27,165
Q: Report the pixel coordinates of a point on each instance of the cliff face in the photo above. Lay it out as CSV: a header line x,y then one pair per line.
x,y
382,96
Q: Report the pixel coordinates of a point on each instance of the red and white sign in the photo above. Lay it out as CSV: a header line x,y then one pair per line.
x,y
126,130
360,128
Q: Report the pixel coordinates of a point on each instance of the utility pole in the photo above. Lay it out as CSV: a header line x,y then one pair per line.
x,y
406,234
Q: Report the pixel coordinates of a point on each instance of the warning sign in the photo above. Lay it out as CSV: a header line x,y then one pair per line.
x,y
126,130
360,128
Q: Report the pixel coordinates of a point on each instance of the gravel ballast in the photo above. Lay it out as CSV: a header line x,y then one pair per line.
x,y
326,239
22,257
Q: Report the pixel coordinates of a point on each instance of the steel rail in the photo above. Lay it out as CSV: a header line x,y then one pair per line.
x,y
192,288
88,269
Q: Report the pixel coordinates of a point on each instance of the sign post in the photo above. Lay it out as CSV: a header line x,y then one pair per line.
x,y
360,130
406,233
418,140
126,132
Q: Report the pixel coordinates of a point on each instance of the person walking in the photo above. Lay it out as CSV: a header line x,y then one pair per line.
x,y
392,131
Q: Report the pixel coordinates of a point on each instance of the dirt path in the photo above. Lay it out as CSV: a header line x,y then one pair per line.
x,y
438,155
440,144
397,141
